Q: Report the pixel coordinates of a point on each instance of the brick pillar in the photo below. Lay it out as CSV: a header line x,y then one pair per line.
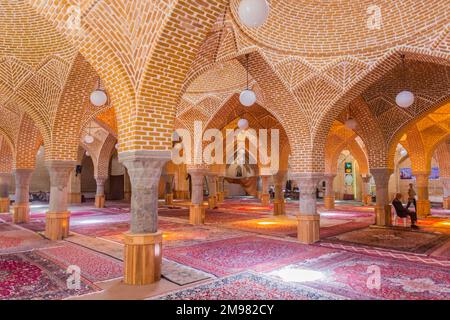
x,y
265,196
74,187
5,179
100,194
212,187
168,189
279,207
423,201
57,222
308,218
446,185
366,197
197,209
21,207
143,243
329,191
382,208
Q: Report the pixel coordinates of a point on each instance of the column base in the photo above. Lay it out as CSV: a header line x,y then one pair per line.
x,y
220,197
308,228
446,203
21,213
383,215
423,208
4,205
57,225
143,258
279,207
197,214
328,202
169,199
127,196
367,200
265,199
74,198
100,201
212,202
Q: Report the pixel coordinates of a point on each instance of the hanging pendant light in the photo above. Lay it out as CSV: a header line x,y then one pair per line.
x,y
99,97
253,13
406,98
87,154
117,146
243,124
88,138
247,97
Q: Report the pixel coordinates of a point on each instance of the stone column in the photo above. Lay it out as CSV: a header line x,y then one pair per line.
x,y
168,189
382,207
126,187
366,197
423,201
100,194
143,243
265,196
308,218
5,179
220,190
446,186
212,184
278,202
258,188
74,187
197,209
329,191
21,207
58,217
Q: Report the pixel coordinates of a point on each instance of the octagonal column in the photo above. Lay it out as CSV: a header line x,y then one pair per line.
x,y
308,218
168,197
74,187
279,207
220,189
446,185
143,243
58,217
212,187
126,187
382,207
265,196
366,197
423,201
21,207
197,209
100,194
5,179
329,191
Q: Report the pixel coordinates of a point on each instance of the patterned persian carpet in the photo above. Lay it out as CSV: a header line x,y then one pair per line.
x,y
94,266
249,286
14,239
181,274
28,276
347,274
273,226
416,242
238,254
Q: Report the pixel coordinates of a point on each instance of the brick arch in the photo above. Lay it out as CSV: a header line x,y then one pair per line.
x,y
28,142
442,153
101,166
6,155
362,82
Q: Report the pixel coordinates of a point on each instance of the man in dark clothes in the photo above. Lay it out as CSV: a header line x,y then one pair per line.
x,y
402,212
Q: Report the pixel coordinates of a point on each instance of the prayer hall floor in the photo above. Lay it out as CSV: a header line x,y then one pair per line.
x,y
242,252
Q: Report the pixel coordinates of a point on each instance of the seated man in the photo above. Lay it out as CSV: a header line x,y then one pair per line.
x,y
402,212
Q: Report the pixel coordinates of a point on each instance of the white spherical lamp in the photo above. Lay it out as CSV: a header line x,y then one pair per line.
x,y
247,98
116,146
243,124
253,13
99,98
351,124
87,154
88,139
405,99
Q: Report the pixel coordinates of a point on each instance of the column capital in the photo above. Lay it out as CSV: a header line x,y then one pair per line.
x,y
308,179
381,175
100,179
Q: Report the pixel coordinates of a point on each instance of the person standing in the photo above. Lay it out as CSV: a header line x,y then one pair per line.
x,y
411,197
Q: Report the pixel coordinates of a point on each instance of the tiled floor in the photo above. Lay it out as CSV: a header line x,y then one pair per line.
x,y
242,252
